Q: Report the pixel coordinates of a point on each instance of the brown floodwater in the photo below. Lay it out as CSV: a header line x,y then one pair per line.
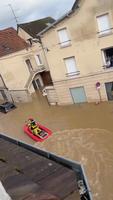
x,y
82,133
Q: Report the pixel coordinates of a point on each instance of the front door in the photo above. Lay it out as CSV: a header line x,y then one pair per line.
x,y
109,90
78,95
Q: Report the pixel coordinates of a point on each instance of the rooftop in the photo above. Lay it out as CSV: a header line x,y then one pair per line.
x,y
73,9
34,27
10,42
28,174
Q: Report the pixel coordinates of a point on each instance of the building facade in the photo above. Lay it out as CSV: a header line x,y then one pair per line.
x,y
28,32
22,71
80,52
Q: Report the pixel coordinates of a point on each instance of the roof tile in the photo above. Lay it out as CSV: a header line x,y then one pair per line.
x,y
10,42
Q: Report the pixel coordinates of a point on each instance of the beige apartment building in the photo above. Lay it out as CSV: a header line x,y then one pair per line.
x,y
28,32
80,53
21,69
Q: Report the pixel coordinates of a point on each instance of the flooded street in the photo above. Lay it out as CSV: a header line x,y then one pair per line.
x,y
82,133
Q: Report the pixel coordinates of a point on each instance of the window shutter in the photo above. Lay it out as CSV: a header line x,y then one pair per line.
x,y
103,24
63,37
70,65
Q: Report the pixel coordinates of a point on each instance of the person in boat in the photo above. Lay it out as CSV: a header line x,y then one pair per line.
x,y
34,127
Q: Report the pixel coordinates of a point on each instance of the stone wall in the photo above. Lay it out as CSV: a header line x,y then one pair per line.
x,y
20,96
89,84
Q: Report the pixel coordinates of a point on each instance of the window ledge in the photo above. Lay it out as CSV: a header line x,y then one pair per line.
x,y
40,65
102,34
64,45
107,67
72,74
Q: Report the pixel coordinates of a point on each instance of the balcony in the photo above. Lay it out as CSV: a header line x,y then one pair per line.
x,y
39,69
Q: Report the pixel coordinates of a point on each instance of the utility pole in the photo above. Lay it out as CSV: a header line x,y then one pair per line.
x,y
13,12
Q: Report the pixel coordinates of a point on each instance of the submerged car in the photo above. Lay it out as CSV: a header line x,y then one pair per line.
x,y
6,107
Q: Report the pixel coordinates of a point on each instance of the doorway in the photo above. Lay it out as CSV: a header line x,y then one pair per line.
x,y
78,94
109,90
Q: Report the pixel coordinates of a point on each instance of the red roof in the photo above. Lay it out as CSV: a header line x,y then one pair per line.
x,y
10,42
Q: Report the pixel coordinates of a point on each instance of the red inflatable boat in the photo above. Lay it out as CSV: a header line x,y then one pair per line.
x,y
40,137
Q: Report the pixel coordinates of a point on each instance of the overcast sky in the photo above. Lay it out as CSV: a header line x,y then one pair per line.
x,y
29,10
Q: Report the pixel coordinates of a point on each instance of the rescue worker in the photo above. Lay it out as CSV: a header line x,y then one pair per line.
x,y
34,127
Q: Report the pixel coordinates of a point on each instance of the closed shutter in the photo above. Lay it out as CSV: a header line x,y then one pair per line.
x,y
103,24
63,37
70,65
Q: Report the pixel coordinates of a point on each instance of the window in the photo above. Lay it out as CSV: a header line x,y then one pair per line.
x,y
38,59
103,24
29,65
107,55
63,37
71,65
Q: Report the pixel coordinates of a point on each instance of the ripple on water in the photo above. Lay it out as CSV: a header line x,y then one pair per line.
x,y
91,147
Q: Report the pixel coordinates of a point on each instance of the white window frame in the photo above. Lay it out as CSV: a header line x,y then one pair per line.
x,y
29,65
71,70
104,58
38,59
64,42
107,30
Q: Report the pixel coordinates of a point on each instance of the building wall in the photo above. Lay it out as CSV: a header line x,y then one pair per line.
x,y
88,82
20,96
36,47
23,34
15,74
86,46
14,70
